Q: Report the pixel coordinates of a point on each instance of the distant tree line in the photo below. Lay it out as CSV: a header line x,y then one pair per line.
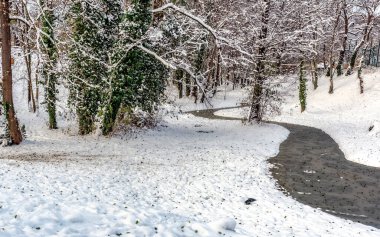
x,y
117,57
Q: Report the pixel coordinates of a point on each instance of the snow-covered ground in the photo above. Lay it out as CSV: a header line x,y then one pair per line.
x,y
345,115
188,177
225,97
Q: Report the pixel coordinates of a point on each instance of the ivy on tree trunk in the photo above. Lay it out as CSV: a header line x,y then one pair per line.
x,y
302,87
13,126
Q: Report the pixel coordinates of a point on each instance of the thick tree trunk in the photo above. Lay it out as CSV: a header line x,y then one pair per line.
x,y
256,110
14,130
49,66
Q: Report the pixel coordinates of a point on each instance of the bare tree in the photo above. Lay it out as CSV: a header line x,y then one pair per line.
x,y
367,14
346,25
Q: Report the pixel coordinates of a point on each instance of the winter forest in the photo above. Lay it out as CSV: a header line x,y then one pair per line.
x,y
190,118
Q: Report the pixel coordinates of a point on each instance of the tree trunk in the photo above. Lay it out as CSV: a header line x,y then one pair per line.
x,y
14,130
37,92
314,74
25,42
302,87
342,53
28,62
49,74
188,85
332,49
217,74
331,88
179,80
361,82
256,110
195,93
324,57
157,17
366,36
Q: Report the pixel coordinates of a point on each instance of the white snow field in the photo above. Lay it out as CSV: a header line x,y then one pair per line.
x,y
345,115
225,97
188,177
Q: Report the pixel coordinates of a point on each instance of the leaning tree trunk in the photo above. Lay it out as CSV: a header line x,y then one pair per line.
x,y
366,37
14,130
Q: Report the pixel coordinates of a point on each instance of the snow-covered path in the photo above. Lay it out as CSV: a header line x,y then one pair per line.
x,y
313,170
190,177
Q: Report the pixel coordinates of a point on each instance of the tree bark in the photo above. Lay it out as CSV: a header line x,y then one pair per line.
x,y
342,53
366,36
179,81
314,73
302,87
361,82
217,73
331,59
28,62
50,50
256,110
14,130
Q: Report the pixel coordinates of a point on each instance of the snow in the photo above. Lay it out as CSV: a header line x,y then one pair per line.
x,y
225,97
171,181
345,115
375,129
188,177
233,113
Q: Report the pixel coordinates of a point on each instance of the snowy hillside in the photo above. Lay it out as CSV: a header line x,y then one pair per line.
x,y
346,115
188,177
109,126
